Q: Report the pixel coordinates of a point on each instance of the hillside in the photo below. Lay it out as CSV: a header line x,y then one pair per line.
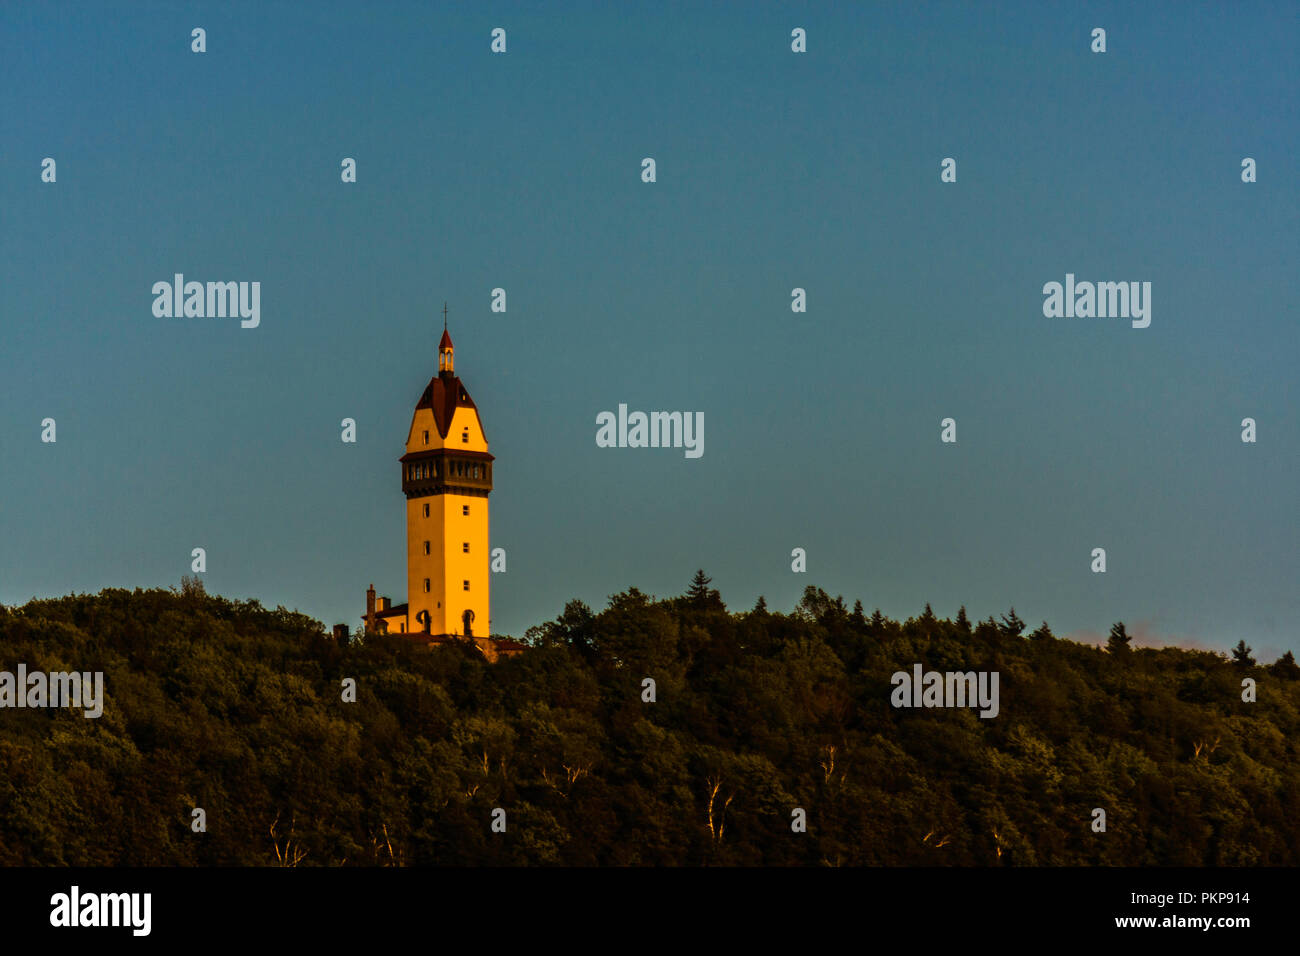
x,y
237,709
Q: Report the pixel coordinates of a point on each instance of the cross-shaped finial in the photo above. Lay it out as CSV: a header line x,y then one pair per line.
x,y
444,316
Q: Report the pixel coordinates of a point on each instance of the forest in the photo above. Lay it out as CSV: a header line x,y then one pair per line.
x,y
238,711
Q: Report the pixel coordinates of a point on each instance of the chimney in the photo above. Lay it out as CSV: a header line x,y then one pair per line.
x,y
384,604
370,608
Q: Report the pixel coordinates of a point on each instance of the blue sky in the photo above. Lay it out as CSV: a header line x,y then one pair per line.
x,y
775,170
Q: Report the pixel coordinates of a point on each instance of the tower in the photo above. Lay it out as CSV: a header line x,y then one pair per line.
x,y
447,477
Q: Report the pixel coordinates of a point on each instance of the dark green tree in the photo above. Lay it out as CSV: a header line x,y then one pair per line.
x,y
700,595
1011,625
858,619
1286,667
1118,642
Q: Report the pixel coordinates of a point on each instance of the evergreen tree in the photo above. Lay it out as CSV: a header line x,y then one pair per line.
x,y
1241,655
962,620
1043,633
700,595
1011,625
699,589
858,619
1118,642
1286,667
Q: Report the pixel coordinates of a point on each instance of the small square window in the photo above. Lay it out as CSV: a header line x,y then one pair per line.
x,y
465,548
464,436
464,509
466,585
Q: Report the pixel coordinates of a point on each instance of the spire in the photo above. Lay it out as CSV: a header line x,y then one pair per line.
x,y
445,347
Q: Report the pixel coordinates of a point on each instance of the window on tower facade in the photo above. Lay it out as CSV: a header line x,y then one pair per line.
x,y
464,509
466,585
426,547
464,436
426,585
465,547
426,438
426,511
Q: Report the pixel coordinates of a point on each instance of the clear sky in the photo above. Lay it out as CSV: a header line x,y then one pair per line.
x,y
775,170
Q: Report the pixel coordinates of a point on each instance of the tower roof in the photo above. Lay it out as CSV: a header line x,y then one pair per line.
x,y
446,340
444,394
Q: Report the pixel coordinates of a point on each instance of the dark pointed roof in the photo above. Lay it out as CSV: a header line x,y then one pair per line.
x,y
444,394
446,341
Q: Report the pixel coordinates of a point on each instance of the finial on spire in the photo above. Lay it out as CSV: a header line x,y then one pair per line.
x,y
444,347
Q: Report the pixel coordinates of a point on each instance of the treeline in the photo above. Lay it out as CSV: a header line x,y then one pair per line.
x,y
235,709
